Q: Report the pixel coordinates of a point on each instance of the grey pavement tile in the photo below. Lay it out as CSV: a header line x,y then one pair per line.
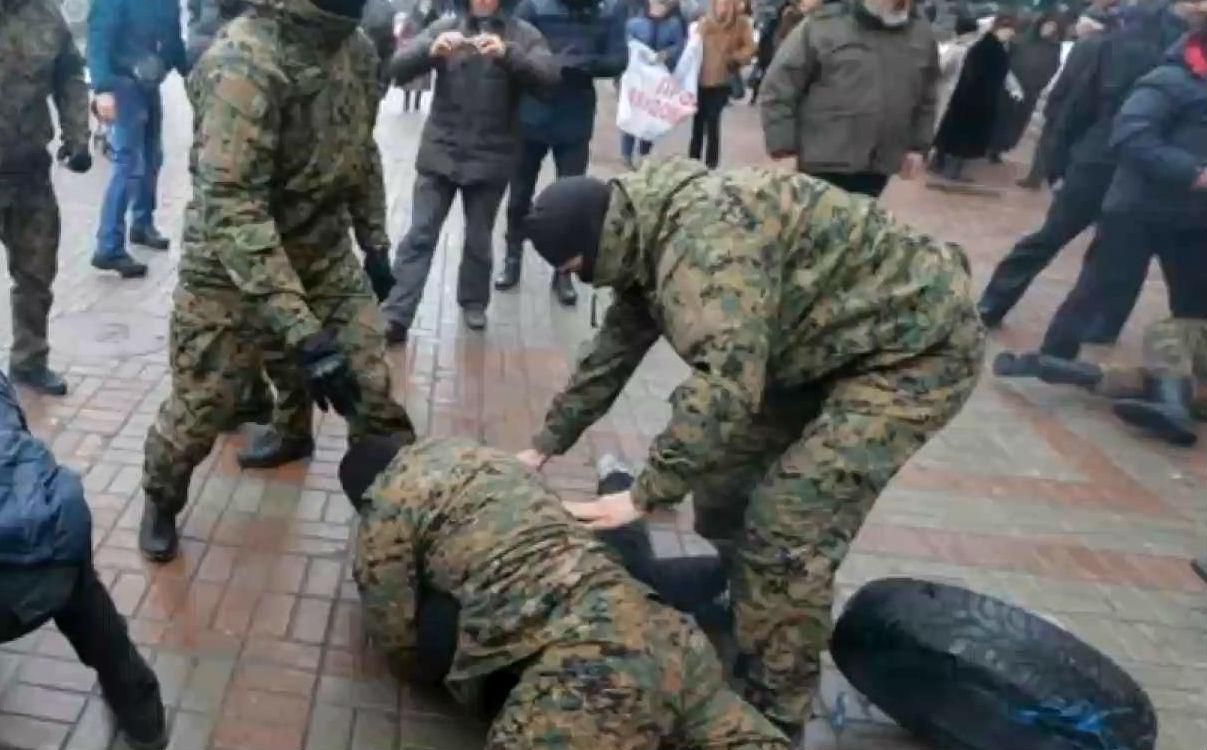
x,y
374,730
24,733
206,686
380,695
191,731
416,732
95,729
330,728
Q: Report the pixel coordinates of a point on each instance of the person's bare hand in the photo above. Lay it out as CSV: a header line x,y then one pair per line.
x,y
106,107
490,45
913,165
533,459
608,512
1201,182
447,43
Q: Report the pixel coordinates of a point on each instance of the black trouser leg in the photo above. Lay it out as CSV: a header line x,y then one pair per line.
x,y
712,102
571,159
432,197
1074,207
481,204
1182,254
696,147
523,187
861,183
97,632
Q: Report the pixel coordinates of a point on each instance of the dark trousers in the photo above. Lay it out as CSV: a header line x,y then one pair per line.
x,y
570,160
706,125
1074,208
860,183
433,197
1116,272
86,616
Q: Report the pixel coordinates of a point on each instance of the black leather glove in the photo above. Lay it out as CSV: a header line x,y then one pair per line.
x,y
377,268
328,375
78,160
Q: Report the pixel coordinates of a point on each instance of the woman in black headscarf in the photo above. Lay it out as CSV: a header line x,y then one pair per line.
x,y
1033,61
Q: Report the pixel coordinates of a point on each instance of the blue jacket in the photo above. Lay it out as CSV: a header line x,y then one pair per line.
x,y
123,33
662,34
1160,139
587,39
44,519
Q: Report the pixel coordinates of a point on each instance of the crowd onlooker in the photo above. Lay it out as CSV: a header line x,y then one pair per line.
x,y
665,33
1034,59
414,86
827,99
728,39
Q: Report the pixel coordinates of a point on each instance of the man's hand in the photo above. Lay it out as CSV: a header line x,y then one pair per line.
x,y
328,377
913,165
533,459
377,268
608,512
490,45
447,43
78,160
106,107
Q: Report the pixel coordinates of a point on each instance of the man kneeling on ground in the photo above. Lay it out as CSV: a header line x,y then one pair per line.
x,y
598,662
46,572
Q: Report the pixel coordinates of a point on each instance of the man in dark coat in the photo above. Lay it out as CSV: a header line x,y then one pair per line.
x,y
967,127
46,572
487,60
1079,153
587,36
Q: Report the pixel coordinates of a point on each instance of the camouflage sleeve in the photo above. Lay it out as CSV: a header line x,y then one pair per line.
x,y
387,577
627,334
71,95
718,312
235,157
367,200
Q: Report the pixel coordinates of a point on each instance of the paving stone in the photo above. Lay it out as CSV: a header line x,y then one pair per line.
x,y
24,733
53,673
95,729
373,730
42,703
330,728
207,685
380,695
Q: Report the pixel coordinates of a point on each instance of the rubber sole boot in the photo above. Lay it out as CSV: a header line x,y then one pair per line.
x,y
147,730
267,448
1166,411
475,320
40,378
509,277
158,539
563,289
1059,371
123,264
149,238
1011,365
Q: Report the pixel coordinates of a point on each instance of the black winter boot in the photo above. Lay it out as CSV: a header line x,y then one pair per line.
x,y
267,448
509,277
563,289
157,536
39,377
1059,371
1011,365
1166,413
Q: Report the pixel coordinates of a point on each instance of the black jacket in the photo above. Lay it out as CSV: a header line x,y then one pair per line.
x,y
473,132
968,124
1160,138
1123,56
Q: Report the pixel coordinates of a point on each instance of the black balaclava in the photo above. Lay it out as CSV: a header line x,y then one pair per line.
x,y
567,221
347,8
365,459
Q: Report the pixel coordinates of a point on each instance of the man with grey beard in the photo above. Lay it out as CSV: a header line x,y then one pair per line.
x,y
851,94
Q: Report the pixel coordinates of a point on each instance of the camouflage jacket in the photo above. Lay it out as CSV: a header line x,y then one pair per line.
x,y
474,523
283,158
38,60
762,282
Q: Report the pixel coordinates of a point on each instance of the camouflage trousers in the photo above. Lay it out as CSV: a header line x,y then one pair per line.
x,y
785,508
29,231
669,692
1173,348
212,357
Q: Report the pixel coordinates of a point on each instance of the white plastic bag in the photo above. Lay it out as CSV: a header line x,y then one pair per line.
x,y
653,100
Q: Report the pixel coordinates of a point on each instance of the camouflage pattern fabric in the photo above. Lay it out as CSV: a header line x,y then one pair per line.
x,y
827,341
38,62
1175,348
284,166
602,664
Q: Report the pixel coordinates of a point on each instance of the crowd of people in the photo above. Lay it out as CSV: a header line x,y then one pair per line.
x,y
814,375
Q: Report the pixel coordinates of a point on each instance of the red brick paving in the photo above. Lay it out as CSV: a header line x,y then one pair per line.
x,y
255,630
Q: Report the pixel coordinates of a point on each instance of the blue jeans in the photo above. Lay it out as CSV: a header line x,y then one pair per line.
x,y
137,140
626,146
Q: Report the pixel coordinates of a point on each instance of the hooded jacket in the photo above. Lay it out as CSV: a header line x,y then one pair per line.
x,y
473,133
763,283
38,61
123,34
283,161
1160,139
44,519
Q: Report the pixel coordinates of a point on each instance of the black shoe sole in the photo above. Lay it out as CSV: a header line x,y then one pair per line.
x,y
152,246
506,286
1143,415
160,557
275,460
40,388
124,273
159,743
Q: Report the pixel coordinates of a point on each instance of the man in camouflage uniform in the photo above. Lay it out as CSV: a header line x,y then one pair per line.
x,y
827,343
38,61
283,162
596,660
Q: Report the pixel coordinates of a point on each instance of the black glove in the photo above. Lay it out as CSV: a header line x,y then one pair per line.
x,y
328,376
377,268
78,160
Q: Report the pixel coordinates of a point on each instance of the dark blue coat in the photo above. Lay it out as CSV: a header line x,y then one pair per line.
x,y
588,41
1160,139
669,33
44,519
121,33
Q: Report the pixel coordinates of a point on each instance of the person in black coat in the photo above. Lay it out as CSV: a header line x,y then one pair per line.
x,y
967,127
1033,61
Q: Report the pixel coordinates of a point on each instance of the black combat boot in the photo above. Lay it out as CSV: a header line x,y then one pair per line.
x,y
39,377
1166,412
149,237
1011,365
509,277
563,289
139,712
1059,371
267,448
157,536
